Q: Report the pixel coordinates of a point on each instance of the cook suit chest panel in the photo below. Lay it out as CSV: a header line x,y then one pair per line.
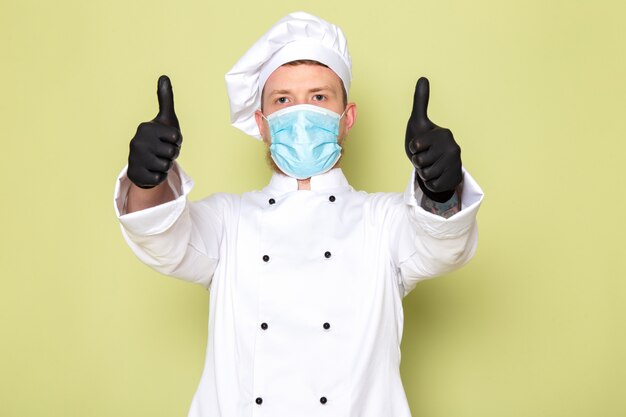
x,y
314,238
309,269
316,255
306,294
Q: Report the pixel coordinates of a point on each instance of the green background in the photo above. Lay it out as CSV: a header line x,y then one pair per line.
x,y
533,90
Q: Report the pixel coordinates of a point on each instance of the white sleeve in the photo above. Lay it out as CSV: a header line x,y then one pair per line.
x,y
177,238
429,245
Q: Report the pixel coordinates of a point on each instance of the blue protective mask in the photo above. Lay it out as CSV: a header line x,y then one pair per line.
x,y
304,140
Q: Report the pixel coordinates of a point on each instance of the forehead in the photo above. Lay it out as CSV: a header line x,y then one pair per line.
x,y
302,77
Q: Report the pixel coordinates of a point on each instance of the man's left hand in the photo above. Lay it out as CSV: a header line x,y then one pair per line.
x,y
432,150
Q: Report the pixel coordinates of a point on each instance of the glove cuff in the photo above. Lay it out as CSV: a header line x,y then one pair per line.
x,y
440,197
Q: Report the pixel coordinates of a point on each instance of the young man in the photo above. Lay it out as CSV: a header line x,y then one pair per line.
x,y
307,275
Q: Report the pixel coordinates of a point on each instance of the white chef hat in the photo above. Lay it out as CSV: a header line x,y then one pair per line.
x,y
297,36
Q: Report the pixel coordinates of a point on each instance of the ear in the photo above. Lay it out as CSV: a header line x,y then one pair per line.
x,y
262,125
350,117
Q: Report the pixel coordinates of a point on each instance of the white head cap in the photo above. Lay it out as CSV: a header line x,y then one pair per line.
x,y
296,36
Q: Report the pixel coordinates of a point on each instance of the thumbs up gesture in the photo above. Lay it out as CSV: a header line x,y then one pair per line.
x,y
157,143
432,150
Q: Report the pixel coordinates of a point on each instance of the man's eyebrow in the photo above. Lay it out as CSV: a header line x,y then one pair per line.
x,y
312,90
322,88
280,92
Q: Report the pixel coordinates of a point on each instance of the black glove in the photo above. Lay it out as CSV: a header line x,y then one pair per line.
x,y
156,143
432,150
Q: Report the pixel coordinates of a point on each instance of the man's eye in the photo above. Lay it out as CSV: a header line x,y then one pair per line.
x,y
319,97
282,100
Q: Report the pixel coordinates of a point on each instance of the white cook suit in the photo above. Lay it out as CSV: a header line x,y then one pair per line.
x,y
306,288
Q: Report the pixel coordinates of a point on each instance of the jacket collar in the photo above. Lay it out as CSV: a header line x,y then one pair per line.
x,y
331,180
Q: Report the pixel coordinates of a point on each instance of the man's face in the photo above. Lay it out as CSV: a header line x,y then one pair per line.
x,y
304,84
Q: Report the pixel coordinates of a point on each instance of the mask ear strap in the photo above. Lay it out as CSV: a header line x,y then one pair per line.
x,y
344,113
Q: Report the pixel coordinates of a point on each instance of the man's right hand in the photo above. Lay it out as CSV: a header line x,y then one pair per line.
x,y
157,143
